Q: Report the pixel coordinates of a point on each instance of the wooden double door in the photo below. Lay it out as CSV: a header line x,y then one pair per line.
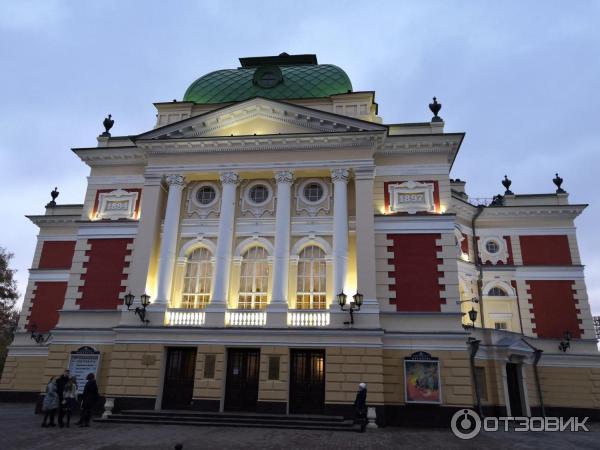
x,y
241,389
179,378
307,381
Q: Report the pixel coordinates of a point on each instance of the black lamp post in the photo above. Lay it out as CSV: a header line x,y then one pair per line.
x,y
39,338
566,342
140,312
354,306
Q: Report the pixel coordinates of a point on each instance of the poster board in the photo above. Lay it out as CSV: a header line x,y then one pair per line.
x,y
422,383
83,361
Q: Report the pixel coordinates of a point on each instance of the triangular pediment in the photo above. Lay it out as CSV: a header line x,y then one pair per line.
x,y
261,117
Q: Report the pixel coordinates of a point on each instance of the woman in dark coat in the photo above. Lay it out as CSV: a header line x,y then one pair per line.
x,y
360,406
50,404
88,400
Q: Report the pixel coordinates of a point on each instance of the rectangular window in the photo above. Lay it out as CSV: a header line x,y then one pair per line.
x,y
209,366
481,383
500,325
274,367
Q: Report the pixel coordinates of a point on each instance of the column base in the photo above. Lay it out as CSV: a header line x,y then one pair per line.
x,y
215,315
277,315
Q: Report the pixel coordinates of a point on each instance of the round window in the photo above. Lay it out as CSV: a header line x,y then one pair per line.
x,y
259,194
492,247
313,192
206,195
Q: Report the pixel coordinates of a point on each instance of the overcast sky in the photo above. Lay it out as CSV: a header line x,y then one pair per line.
x,y
520,78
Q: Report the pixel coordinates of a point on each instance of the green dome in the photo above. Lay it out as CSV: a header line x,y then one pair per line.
x,y
277,82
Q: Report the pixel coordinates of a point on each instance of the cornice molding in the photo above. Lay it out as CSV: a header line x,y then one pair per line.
x,y
55,220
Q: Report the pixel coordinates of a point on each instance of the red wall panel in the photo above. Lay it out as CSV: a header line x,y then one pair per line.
x,y
48,298
464,244
57,255
416,272
545,250
554,308
104,274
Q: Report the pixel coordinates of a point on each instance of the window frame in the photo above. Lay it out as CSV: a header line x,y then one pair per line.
x,y
204,272
257,299
320,276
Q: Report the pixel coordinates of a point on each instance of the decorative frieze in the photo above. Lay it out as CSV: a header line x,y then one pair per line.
x,y
117,204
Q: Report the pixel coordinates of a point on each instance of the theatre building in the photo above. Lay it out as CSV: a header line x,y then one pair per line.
x,y
215,259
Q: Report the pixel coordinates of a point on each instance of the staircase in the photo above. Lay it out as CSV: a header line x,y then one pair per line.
x,y
213,419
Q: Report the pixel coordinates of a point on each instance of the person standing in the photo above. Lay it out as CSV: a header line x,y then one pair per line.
x,y
60,387
360,406
69,398
88,400
50,403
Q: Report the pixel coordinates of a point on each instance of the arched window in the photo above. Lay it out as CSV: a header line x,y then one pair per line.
x,y
254,279
197,279
312,279
497,292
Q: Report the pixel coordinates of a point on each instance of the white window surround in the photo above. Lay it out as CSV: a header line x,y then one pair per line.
x,y
115,205
200,186
313,208
494,258
258,209
505,286
411,197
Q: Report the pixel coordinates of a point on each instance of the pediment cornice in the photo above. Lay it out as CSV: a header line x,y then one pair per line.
x,y
306,142
310,119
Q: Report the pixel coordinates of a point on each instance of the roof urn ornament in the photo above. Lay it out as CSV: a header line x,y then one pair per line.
x,y
435,108
558,181
108,124
53,194
506,183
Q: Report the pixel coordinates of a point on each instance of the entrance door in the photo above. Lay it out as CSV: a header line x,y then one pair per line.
x,y
513,381
179,378
241,390
307,382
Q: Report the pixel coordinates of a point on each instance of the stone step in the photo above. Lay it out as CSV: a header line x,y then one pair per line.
x,y
228,422
232,415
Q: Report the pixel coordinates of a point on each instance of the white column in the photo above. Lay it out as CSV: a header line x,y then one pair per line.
x,y
279,295
229,182
340,179
168,243
365,245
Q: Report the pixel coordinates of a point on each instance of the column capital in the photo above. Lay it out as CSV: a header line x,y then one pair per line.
x,y
229,178
284,176
340,175
175,180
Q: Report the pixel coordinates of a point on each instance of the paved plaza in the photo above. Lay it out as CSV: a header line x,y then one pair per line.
x,y
20,429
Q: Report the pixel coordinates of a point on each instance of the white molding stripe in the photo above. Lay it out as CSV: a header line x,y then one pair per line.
x,y
48,275
115,180
54,237
549,273
524,231
412,169
107,231
408,224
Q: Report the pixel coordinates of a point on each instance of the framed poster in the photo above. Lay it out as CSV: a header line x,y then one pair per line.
x,y
83,361
422,379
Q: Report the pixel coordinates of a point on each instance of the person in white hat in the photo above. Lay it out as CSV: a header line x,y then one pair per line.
x,y
360,406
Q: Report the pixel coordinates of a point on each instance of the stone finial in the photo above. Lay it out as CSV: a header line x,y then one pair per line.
x,y
435,108
558,181
506,183
53,194
108,124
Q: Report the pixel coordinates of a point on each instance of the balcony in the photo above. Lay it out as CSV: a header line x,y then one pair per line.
x,y
184,317
308,318
245,318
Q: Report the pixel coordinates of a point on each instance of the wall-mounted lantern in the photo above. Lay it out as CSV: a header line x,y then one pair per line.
x,y
140,312
472,314
354,306
39,338
566,342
